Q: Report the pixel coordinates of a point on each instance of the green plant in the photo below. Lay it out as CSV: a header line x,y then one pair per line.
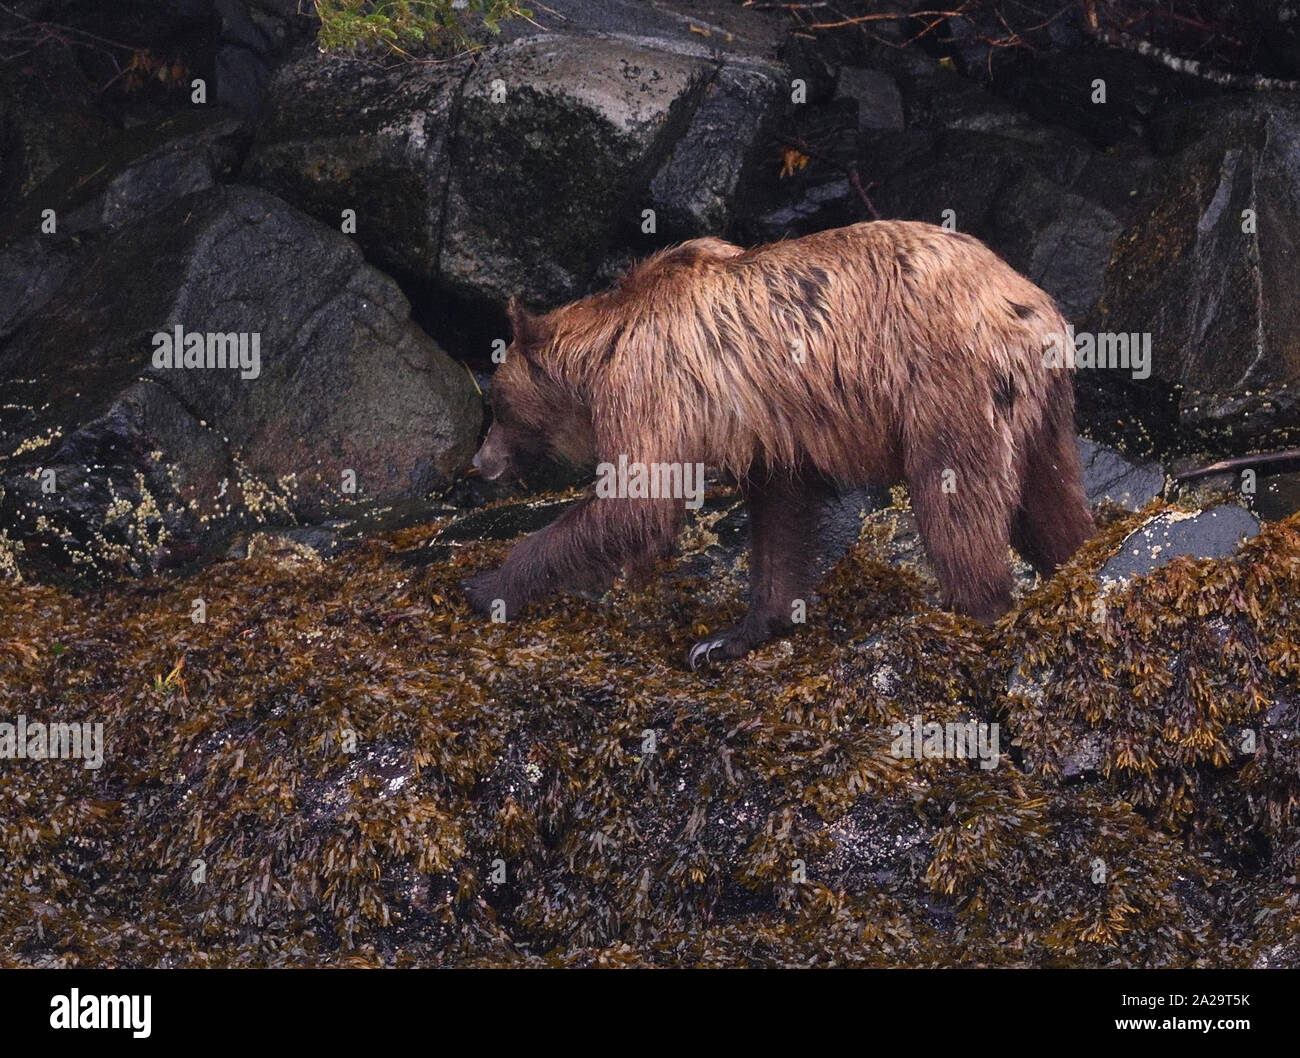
x,y
400,26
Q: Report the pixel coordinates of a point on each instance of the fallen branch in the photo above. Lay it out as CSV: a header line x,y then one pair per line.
x,y
1258,460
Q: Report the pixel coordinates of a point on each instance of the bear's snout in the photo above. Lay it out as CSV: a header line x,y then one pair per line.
x,y
492,459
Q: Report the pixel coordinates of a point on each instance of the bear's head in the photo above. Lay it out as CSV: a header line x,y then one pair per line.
x,y
535,410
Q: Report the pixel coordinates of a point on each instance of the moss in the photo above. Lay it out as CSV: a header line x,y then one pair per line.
x,y
343,766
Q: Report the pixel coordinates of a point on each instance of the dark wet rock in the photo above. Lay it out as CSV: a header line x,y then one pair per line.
x,y
789,200
1173,534
152,466
48,116
1059,239
1271,29
233,46
938,99
555,144
1111,478
1277,496
30,273
128,177
1058,90
139,172
1217,299
346,134
839,524
698,189
254,37
920,175
880,104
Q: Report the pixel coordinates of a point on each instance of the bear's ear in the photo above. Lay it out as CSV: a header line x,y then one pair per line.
x,y
530,332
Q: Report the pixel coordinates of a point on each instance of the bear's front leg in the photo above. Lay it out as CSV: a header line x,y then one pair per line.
x,y
582,550
782,526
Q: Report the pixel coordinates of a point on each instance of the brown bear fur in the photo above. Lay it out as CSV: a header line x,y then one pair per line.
x,y
882,352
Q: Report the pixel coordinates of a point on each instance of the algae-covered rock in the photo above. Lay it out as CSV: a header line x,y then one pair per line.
x,y
342,765
310,390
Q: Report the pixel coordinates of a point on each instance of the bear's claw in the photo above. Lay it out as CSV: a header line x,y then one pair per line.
x,y
704,649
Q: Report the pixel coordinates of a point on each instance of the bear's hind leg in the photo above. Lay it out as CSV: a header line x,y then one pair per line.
x,y
964,514
1054,518
782,524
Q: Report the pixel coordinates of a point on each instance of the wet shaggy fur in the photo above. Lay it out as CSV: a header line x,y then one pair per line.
x,y
882,352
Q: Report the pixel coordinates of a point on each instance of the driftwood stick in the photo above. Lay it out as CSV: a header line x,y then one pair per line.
x,y
1257,460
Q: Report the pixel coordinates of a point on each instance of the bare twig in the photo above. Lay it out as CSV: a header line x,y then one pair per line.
x,y
1260,459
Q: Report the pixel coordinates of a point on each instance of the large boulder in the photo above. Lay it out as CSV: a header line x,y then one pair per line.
x,y
526,172
1208,269
699,188
556,142
113,462
344,134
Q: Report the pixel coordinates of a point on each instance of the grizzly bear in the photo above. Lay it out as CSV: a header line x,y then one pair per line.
x,y
882,352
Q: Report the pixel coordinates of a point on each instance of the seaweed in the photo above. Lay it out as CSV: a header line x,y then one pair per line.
x,y
340,765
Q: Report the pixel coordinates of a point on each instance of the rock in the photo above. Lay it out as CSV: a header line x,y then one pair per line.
x,y
725,28
139,172
122,180
1059,90
698,189
344,134
254,37
1212,533
556,140
1271,29
146,51
1278,496
1059,239
30,273
47,117
110,464
1217,297
1110,478
789,201
880,104
839,523
920,175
